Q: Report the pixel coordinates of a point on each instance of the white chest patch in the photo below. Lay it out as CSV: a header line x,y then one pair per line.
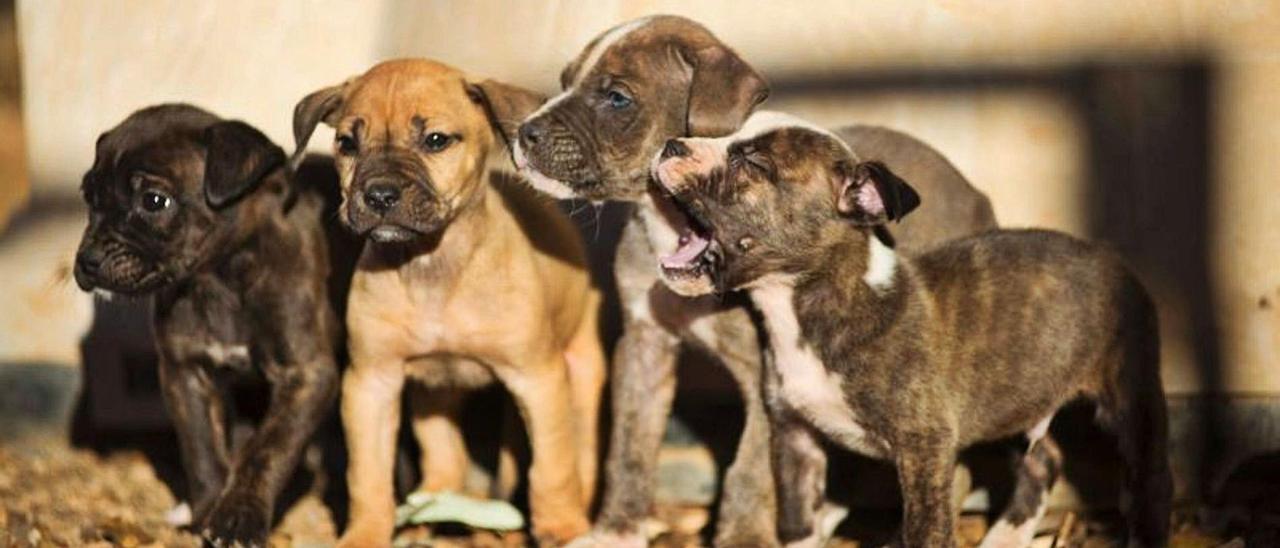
x,y
806,385
225,354
881,265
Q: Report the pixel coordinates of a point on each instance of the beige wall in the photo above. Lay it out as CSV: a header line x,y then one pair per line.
x,y
87,64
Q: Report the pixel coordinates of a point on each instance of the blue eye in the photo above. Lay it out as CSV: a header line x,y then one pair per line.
x,y
618,99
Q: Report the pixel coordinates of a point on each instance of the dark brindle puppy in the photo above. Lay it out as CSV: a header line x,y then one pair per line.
x,y
912,359
631,89
203,214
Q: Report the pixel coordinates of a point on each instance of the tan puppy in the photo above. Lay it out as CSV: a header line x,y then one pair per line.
x,y
466,277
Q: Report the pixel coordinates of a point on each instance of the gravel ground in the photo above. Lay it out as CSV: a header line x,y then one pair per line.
x,y
51,495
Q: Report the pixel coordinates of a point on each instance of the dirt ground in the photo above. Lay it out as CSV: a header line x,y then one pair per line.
x,y
52,495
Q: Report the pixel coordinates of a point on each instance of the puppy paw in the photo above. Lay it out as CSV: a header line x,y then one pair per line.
x,y
236,522
1005,535
609,539
559,532
826,521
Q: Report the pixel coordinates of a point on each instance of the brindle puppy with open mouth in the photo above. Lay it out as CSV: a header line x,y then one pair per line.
x,y
912,359
630,90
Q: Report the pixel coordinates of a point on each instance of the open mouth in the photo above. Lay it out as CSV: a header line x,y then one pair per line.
x,y
697,253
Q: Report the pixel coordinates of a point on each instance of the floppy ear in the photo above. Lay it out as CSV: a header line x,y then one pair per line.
x,y
319,106
723,91
505,106
238,157
870,194
99,160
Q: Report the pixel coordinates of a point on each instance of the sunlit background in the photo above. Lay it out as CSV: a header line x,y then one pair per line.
x,y
1152,125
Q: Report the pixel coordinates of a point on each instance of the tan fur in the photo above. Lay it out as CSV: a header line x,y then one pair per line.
x,y
504,291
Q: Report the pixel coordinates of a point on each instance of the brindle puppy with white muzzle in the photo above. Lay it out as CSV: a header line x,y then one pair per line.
x,y
203,214
630,90
912,359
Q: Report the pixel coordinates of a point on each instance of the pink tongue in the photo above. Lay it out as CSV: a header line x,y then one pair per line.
x,y
691,247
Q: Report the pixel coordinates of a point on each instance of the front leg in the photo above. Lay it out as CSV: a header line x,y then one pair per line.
x,y
926,466
370,418
195,404
800,474
301,395
747,515
545,400
642,387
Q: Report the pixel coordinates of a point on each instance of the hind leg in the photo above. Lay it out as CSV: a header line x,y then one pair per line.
x,y
506,476
1135,409
1142,429
1036,473
445,461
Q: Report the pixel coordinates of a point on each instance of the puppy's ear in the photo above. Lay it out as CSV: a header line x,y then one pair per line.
x,y
723,91
869,194
505,106
100,160
318,106
238,157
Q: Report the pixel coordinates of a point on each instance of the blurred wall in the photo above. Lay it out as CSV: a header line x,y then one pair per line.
x,y
13,177
1007,90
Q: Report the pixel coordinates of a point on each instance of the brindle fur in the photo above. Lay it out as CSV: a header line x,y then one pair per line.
x,y
238,264
665,63
977,339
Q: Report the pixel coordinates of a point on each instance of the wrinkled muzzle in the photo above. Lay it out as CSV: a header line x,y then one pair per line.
x,y
105,262
555,157
392,199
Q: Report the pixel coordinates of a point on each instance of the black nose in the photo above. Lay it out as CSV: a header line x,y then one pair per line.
x,y
381,197
88,262
674,149
88,265
530,133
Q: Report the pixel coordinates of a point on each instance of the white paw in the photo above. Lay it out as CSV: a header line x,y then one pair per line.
x,y
178,516
608,539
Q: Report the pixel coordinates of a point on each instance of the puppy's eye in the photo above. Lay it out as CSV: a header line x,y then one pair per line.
x,y
759,161
346,144
153,201
436,141
618,100
751,157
